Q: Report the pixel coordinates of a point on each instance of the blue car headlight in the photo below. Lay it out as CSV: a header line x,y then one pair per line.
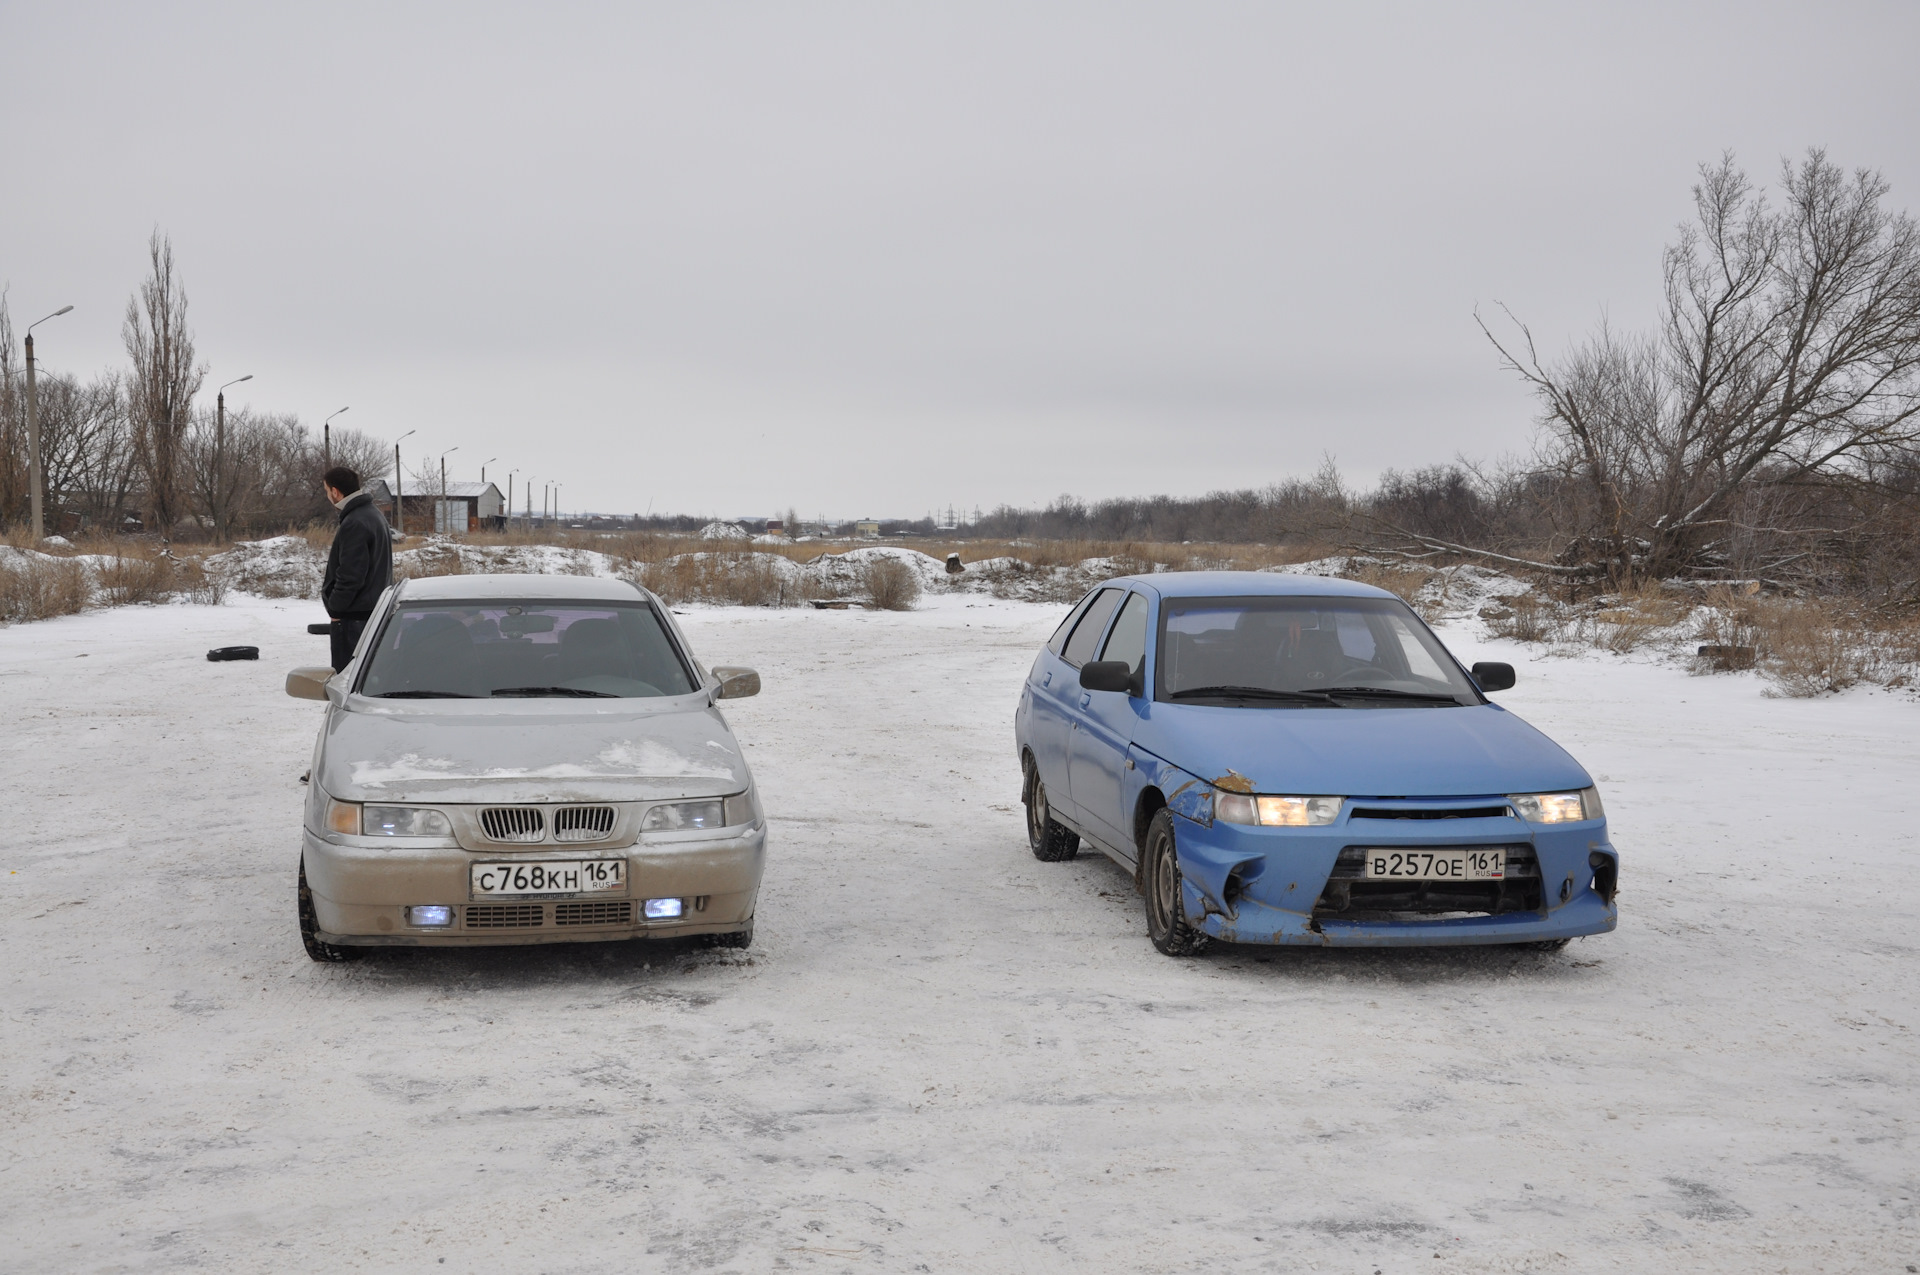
x,y
1558,807
1276,812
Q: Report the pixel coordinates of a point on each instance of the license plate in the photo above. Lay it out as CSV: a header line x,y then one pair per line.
x,y
496,878
1436,865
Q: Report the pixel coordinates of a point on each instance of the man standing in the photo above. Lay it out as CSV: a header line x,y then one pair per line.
x,y
359,566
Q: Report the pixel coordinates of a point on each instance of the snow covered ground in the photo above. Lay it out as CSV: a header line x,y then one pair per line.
x,y
941,1054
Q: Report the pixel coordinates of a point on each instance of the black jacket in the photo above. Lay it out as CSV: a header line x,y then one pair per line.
x,y
360,564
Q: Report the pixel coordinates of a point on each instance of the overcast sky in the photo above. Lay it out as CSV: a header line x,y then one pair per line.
x,y
883,258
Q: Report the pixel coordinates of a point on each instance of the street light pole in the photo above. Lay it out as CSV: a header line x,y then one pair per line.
x,y
399,505
443,517
33,431
220,458
326,439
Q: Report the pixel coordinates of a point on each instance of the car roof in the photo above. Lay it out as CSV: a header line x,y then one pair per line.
x,y
485,587
1255,584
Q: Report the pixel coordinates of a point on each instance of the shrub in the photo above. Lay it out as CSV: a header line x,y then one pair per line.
x,y
33,587
127,580
1527,618
891,584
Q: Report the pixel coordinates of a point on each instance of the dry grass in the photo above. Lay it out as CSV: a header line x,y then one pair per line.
x,y
39,588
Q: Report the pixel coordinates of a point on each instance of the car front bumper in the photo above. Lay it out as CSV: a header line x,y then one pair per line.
x,y
361,893
1270,885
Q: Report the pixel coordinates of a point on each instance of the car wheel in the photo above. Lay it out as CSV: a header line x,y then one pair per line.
x,y
328,953
1160,875
1546,945
738,938
1051,842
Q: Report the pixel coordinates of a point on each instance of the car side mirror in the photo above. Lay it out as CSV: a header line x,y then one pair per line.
x,y
1107,675
735,682
310,682
1493,676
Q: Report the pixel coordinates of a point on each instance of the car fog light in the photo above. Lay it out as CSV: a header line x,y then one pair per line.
x,y
430,914
664,909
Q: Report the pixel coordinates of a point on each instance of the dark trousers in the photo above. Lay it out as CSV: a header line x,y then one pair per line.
x,y
345,635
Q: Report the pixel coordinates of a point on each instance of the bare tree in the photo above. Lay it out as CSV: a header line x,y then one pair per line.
x,y
165,379
1788,353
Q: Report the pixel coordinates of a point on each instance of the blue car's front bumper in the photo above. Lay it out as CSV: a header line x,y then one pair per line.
x,y
1270,885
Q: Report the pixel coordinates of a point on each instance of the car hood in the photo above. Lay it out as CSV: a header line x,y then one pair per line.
x,y
1366,752
528,751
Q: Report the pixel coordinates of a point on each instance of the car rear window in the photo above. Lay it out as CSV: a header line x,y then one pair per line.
x,y
1058,642
495,649
1093,622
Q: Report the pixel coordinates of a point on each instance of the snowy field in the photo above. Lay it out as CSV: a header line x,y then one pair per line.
x,y
942,1055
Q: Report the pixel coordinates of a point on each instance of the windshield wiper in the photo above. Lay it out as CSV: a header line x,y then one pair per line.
x,y
421,695
1249,692
1386,692
531,692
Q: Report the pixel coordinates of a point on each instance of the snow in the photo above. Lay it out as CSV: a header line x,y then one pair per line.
x,y
940,1053
723,531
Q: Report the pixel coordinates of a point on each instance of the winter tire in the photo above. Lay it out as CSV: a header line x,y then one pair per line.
x,y
1051,842
738,938
326,953
1160,876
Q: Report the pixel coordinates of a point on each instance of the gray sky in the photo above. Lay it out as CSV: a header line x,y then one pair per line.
x,y
881,258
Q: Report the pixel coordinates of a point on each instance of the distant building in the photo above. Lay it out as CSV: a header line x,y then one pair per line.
x,y
867,529
466,507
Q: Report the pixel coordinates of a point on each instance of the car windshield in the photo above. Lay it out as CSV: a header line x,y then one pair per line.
x,y
502,650
1350,652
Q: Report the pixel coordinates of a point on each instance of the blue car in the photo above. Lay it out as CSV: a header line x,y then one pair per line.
x,y
1289,759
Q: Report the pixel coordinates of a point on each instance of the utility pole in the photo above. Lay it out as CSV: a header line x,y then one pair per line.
x,y
399,503
220,459
443,517
33,431
326,440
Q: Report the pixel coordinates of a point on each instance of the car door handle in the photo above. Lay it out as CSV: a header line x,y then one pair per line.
x,y
1086,698
1046,681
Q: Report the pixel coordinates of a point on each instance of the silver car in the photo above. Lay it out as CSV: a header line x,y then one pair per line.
x,y
525,759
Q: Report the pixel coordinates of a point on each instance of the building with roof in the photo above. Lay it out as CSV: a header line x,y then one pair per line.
x,y
462,508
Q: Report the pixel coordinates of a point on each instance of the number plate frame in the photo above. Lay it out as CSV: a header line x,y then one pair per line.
x,y
547,879
1435,863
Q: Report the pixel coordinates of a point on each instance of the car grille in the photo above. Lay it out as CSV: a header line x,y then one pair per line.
x,y
593,913
513,823
582,823
515,916
1430,812
1350,896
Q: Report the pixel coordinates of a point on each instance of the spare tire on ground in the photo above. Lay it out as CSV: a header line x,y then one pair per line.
x,y
234,653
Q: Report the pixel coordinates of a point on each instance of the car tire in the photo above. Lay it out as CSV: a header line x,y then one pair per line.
x,y
736,939
1160,881
1545,945
1051,842
326,953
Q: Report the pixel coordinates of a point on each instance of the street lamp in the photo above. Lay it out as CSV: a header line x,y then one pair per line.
x,y
443,517
326,439
399,509
220,458
33,429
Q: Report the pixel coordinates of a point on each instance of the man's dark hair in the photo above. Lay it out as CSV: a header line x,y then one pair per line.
x,y
342,480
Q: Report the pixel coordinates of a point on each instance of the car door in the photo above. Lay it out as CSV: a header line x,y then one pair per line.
x,y
1103,728
1056,696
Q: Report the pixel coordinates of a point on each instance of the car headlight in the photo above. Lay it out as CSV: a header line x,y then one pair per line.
x,y
403,821
1277,812
686,816
683,816
1558,807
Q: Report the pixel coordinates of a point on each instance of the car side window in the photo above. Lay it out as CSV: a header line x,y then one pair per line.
x,y
1058,642
1086,634
1128,641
